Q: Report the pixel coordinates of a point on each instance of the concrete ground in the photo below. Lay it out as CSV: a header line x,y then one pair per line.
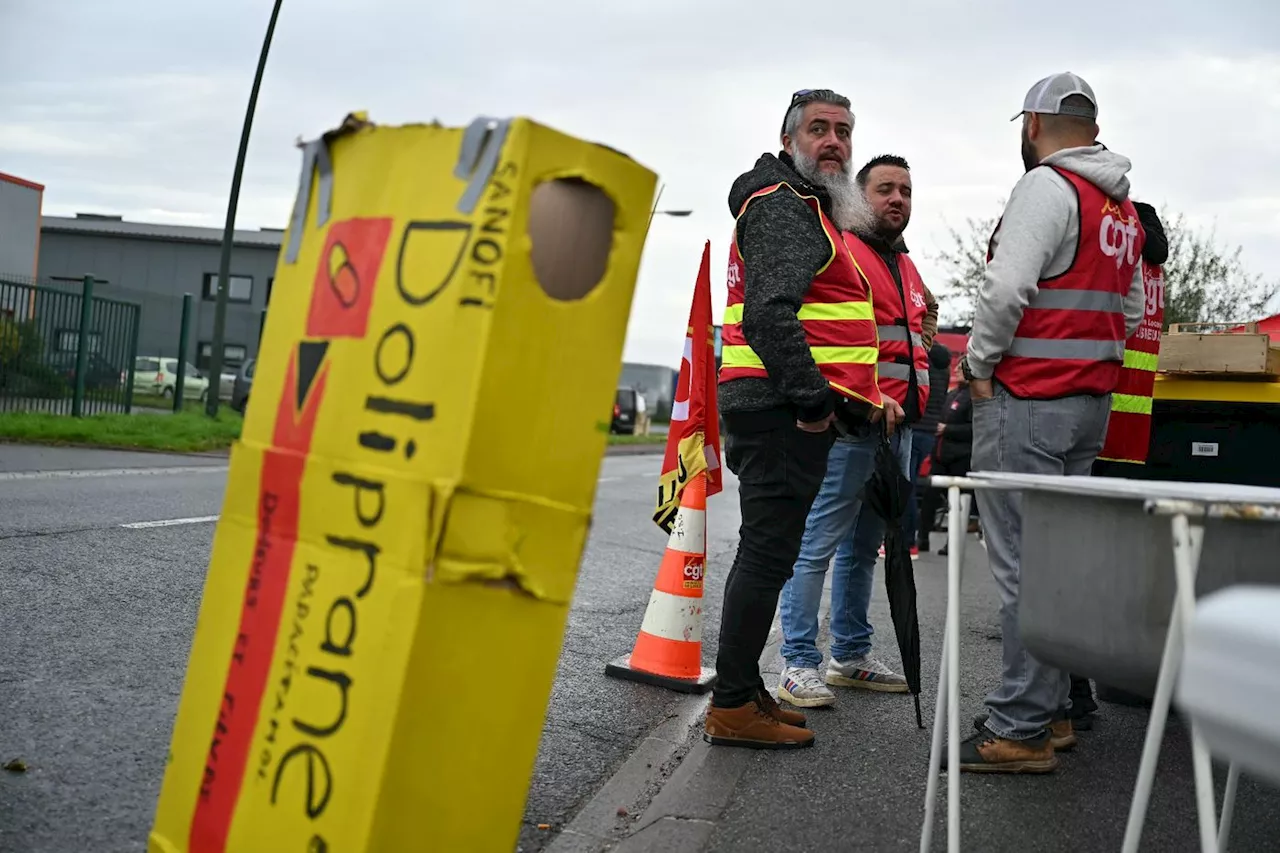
x,y
862,786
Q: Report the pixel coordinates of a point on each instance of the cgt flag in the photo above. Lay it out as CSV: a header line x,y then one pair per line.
x,y
693,444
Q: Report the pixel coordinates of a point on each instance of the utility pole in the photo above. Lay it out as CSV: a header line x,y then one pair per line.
x,y
228,233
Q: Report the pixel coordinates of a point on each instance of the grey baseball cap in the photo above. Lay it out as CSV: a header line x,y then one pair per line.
x,y
1047,97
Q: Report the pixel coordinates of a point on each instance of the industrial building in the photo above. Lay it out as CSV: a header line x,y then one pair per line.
x,y
154,265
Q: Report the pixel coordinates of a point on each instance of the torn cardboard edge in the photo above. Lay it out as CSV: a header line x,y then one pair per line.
x,y
483,141
501,568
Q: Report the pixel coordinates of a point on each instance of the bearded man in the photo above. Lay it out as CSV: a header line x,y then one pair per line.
x,y
798,366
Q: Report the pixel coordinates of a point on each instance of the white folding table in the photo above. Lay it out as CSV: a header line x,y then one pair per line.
x,y
1188,505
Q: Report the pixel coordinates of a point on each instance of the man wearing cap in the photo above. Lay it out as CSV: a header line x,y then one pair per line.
x,y
798,359
1062,290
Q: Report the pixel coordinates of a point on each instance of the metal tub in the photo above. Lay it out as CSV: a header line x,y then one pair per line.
x,y
1097,581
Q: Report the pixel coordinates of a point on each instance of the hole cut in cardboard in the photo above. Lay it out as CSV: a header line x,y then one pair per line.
x,y
571,225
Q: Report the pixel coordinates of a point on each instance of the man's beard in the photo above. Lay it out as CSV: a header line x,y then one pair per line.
x,y
850,210
1029,158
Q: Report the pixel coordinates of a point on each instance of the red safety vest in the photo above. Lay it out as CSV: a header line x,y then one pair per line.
x,y
899,322
1071,337
1129,431
838,320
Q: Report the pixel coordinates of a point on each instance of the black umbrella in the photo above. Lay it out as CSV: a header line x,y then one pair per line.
x,y
887,493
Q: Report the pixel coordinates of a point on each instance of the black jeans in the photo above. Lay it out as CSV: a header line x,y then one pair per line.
x,y
780,470
934,498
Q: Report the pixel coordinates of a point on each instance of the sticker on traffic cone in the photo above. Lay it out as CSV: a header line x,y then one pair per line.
x,y
668,650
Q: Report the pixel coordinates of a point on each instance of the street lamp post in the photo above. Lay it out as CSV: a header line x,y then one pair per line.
x,y
228,232
655,212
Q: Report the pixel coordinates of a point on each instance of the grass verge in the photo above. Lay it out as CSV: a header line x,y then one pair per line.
x,y
188,432
638,439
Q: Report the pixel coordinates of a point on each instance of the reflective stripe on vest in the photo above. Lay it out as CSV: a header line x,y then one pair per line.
x,y
1071,338
836,314
1129,430
899,323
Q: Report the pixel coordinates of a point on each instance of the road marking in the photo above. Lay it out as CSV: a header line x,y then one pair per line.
x,y
142,525
9,476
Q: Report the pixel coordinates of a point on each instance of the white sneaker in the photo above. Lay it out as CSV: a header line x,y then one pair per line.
x,y
867,673
803,687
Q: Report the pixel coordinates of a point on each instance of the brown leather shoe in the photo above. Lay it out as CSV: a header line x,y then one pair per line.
x,y
985,753
752,726
779,713
1062,735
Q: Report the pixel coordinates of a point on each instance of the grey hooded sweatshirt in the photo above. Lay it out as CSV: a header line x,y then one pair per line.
x,y
1037,239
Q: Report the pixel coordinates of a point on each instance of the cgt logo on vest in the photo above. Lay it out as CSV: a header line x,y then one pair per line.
x,y
1118,234
733,278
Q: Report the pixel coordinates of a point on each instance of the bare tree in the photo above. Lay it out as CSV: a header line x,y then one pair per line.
x,y
965,259
1204,282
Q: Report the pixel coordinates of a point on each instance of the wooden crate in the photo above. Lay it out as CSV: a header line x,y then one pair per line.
x,y
1194,348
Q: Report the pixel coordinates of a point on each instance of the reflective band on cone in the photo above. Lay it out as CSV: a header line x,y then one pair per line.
x,y
668,650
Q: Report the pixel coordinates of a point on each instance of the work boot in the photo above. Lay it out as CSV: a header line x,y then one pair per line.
x,y
985,752
803,687
1062,734
867,673
752,726
779,713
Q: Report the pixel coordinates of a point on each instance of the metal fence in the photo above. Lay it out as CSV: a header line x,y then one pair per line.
x,y
65,351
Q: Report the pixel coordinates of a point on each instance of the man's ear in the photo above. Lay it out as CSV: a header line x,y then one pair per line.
x,y
1033,126
786,144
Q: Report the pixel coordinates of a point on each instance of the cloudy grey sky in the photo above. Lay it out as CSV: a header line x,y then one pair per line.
x,y
134,106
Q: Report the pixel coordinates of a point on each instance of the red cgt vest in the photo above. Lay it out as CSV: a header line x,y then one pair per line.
x,y
1071,337
899,322
838,320
1129,430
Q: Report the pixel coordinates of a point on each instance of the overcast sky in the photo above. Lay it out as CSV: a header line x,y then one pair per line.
x,y
134,107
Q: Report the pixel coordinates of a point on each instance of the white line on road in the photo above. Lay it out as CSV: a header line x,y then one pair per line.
x,y
142,525
8,476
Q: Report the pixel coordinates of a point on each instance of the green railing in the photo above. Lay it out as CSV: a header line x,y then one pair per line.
x,y
65,351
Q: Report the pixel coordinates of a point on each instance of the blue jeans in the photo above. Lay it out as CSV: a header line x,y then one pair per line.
x,y
921,448
837,527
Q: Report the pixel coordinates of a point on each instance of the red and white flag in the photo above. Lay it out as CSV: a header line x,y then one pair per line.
x,y
693,444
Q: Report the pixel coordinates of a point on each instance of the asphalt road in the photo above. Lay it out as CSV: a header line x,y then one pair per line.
x,y
96,622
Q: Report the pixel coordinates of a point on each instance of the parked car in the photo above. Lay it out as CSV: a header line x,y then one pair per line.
x,y
243,382
158,375
629,414
99,374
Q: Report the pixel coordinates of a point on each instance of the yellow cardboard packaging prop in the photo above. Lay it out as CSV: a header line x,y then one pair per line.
x,y
408,503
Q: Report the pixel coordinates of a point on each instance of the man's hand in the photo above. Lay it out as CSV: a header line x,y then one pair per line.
x,y
892,414
980,389
817,426
940,430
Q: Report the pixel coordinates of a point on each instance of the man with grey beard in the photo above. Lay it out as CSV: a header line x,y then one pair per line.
x,y
798,365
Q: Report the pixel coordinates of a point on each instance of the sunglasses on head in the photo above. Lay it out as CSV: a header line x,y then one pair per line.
x,y
801,96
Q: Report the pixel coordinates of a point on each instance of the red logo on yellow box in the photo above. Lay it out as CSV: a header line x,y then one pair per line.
x,y
346,274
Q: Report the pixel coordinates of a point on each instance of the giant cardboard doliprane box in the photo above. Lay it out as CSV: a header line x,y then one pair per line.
x,y
409,500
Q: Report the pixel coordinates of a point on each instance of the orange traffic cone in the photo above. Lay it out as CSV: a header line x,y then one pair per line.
x,y
668,650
